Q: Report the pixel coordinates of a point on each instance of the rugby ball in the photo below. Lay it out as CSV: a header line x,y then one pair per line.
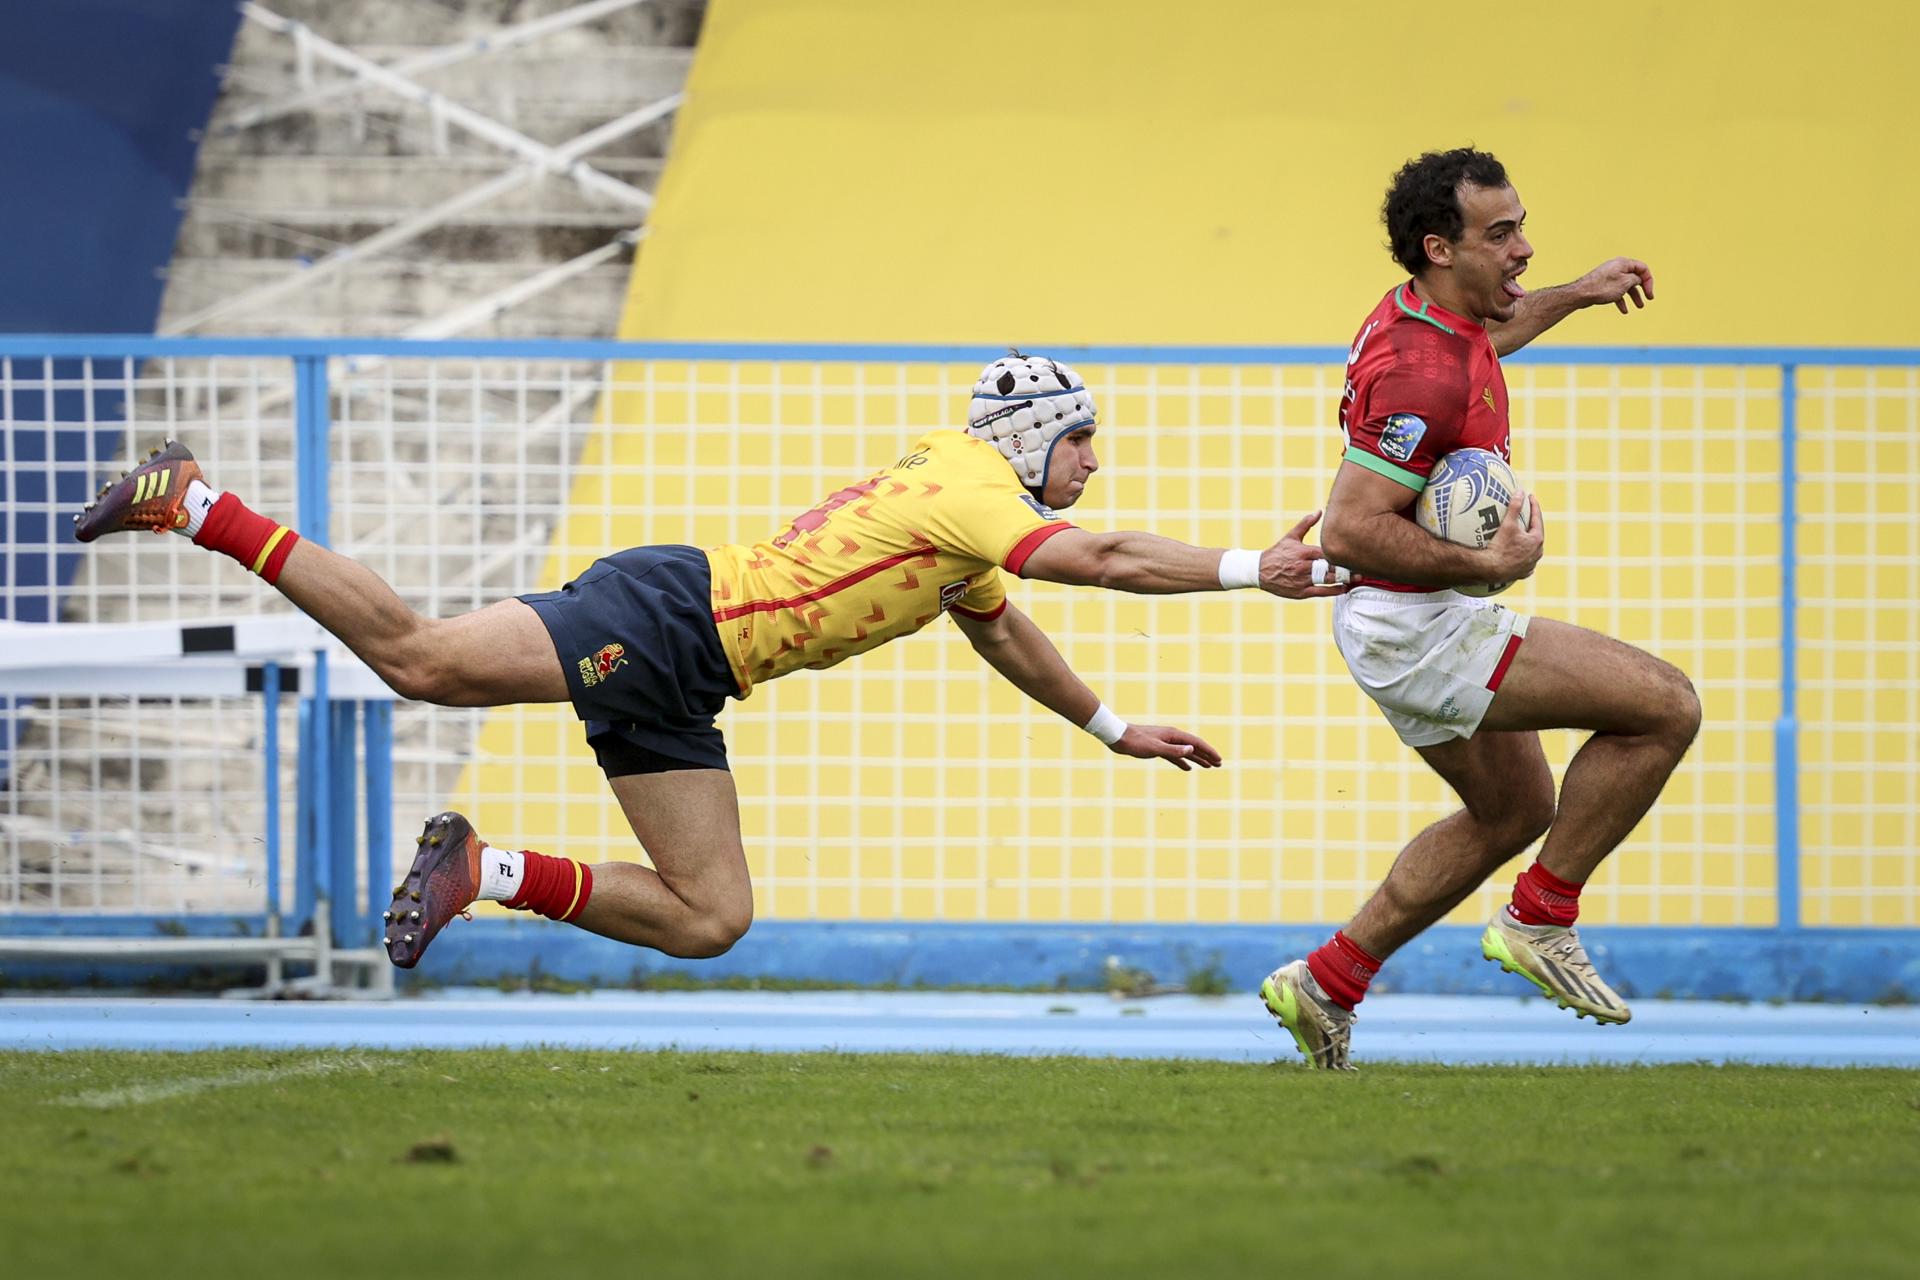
x,y
1465,500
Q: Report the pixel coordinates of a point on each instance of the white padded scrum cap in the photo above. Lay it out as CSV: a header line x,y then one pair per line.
x,y
1022,404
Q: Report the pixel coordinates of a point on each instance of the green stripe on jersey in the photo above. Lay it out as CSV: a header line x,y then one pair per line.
x,y
1421,314
1372,462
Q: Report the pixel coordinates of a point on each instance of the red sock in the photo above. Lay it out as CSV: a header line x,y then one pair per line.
x,y
1343,970
255,541
557,888
1541,897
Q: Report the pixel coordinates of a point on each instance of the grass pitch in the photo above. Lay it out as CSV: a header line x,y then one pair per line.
x,y
709,1165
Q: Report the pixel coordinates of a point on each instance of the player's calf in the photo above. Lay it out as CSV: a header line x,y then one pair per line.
x,y
1522,815
496,655
689,921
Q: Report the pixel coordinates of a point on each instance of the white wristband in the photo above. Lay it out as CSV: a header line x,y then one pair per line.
x,y
1240,568
1105,725
1325,573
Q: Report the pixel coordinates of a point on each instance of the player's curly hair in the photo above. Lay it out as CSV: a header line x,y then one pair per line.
x,y
1424,201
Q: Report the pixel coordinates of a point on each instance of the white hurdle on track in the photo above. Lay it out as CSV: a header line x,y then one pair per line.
x,y
199,658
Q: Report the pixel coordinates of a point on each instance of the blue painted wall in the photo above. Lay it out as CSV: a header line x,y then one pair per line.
x,y
100,106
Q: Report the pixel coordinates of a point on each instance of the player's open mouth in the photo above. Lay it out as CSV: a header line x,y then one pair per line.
x,y
1512,288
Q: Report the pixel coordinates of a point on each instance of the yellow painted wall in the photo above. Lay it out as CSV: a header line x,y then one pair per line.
x,y
1120,173
1113,171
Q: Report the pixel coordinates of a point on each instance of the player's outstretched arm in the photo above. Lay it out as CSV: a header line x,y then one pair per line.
x,y
1148,564
1617,280
1019,650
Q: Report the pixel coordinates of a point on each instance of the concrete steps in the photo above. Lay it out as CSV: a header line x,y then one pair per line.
x,y
550,98
274,197
508,238
310,188
389,295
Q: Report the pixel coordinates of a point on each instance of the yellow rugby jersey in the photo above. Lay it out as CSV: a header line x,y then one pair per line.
x,y
878,560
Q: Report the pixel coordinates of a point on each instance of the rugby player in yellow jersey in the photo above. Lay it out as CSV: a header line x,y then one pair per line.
x,y
648,644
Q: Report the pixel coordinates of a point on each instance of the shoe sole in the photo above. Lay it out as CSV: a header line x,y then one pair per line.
x,y
438,886
1494,947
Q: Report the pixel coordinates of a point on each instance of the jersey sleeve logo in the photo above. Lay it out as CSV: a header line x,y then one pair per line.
x,y
1044,511
1401,436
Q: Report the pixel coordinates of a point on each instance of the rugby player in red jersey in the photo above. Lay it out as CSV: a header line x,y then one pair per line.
x,y
1467,683
649,643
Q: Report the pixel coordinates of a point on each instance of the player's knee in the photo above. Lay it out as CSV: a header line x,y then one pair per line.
x,y
1687,713
1678,707
1515,814
422,680
417,668
715,932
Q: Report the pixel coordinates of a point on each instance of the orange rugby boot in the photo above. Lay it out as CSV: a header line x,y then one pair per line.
x,y
152,496
441,884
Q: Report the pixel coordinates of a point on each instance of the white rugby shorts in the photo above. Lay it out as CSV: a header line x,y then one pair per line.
x,y
1432,660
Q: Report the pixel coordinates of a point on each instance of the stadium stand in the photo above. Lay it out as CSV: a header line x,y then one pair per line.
x,y
478,166
289,178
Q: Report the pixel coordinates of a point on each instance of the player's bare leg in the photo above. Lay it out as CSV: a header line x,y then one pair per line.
x,y
1644,714
497,655
696,900
1507,789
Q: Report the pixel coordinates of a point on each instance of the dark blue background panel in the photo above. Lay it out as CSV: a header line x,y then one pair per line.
x,y
100,104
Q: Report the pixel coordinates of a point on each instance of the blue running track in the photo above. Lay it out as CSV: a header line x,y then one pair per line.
x,y
1461,1030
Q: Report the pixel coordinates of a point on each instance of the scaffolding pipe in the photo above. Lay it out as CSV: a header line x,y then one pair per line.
x,y
484,309
480,126
431,60
427,219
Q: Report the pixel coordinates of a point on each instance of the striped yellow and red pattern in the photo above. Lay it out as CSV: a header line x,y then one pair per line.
x,y
877,560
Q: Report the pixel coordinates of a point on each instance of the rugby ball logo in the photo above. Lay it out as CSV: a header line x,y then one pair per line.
x,y
1465,500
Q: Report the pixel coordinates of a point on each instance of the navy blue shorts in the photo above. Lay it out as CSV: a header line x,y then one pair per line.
x,y
644,664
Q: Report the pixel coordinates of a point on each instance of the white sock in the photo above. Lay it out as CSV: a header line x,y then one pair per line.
x,y
502,872
200,499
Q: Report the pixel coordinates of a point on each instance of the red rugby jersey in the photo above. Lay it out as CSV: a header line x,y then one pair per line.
x,y
1421,382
